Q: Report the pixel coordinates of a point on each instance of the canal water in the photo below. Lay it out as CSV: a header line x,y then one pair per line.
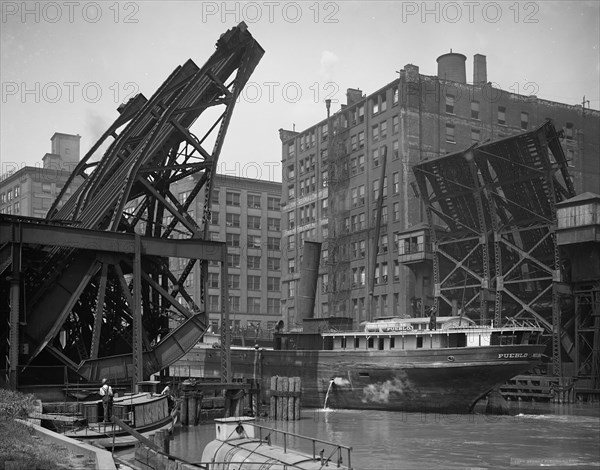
x,y
538,435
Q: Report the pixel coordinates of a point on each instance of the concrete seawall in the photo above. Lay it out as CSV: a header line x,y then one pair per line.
x,y
103,459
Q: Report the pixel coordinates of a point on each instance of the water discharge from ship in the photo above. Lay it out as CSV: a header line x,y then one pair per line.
x,y
327,395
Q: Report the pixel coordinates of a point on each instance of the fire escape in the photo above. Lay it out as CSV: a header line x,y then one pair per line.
x,y
339,213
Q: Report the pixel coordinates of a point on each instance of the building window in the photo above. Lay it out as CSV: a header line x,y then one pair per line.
x,y
232,220
3,198
254,222
396,270
291,242
232,199
475,109
253,282
291,192
213,280
272,307
254,201
396,211
233,240
375,132
17,191
233,260
383,129
253,304
273,264
234,303
291,173
501,115
569,131
450,133
291,219
354,143
17,208
253,241
395,95
233,281
291,150
214,218
361,163
273,203
292,265
396,183
272,243
213,303
383,105
361,139
375,105
395,124
273,284
273,224
449,104
324,207
46,187
524,121
375,157
396,149
291,289
475,135
253,262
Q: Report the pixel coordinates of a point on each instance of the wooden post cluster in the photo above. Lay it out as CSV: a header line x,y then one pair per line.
x,y
191,405
285,398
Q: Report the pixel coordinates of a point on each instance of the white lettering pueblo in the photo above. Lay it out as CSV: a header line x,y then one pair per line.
x,y
512,355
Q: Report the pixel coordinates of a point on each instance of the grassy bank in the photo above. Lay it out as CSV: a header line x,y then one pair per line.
x,y
18,443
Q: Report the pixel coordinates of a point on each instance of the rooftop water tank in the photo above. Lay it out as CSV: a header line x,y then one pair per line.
x,y
451,67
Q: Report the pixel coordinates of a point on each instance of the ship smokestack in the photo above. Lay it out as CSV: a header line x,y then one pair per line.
x,y
309,273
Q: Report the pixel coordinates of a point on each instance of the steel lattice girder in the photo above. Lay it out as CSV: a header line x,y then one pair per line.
x,y
127,190
498,202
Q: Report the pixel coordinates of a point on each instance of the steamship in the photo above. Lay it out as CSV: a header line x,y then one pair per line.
x,y
443,364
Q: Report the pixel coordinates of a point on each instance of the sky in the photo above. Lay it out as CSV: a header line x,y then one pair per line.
x,y
66,66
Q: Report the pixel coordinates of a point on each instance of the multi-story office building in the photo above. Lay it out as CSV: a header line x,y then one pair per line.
x,y
31,190
245,214
333,172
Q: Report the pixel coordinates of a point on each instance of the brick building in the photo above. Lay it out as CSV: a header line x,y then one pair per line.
x,y
332,172
245,214
30,191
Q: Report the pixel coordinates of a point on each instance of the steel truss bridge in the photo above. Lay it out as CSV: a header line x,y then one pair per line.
x,y
90,287
498,257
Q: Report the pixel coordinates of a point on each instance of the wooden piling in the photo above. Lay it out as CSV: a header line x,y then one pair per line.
x,y
192,404
285,398
184,409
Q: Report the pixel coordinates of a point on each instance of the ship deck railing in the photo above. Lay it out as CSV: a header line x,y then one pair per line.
x,y
336,448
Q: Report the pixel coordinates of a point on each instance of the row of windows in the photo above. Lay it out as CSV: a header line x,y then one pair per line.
x,y
253,282
500,115
233,198
253,262
11,209
10,194
254,306
253,222
254,241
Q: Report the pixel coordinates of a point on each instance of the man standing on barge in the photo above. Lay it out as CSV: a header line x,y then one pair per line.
x,y
106,392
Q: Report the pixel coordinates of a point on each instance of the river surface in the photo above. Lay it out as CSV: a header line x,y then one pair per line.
x,y
538,435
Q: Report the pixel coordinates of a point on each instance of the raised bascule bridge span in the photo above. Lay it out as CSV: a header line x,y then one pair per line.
x,y
90,287
498,257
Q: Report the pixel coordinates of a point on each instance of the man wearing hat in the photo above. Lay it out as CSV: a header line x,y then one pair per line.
x,y
106,393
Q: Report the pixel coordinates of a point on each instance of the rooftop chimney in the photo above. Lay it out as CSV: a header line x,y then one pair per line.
x,y
479,70
353,95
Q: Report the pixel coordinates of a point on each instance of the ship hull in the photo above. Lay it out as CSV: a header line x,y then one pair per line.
x,y
446,380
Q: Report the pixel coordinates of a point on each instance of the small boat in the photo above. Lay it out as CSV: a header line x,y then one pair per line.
x,y
145,412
